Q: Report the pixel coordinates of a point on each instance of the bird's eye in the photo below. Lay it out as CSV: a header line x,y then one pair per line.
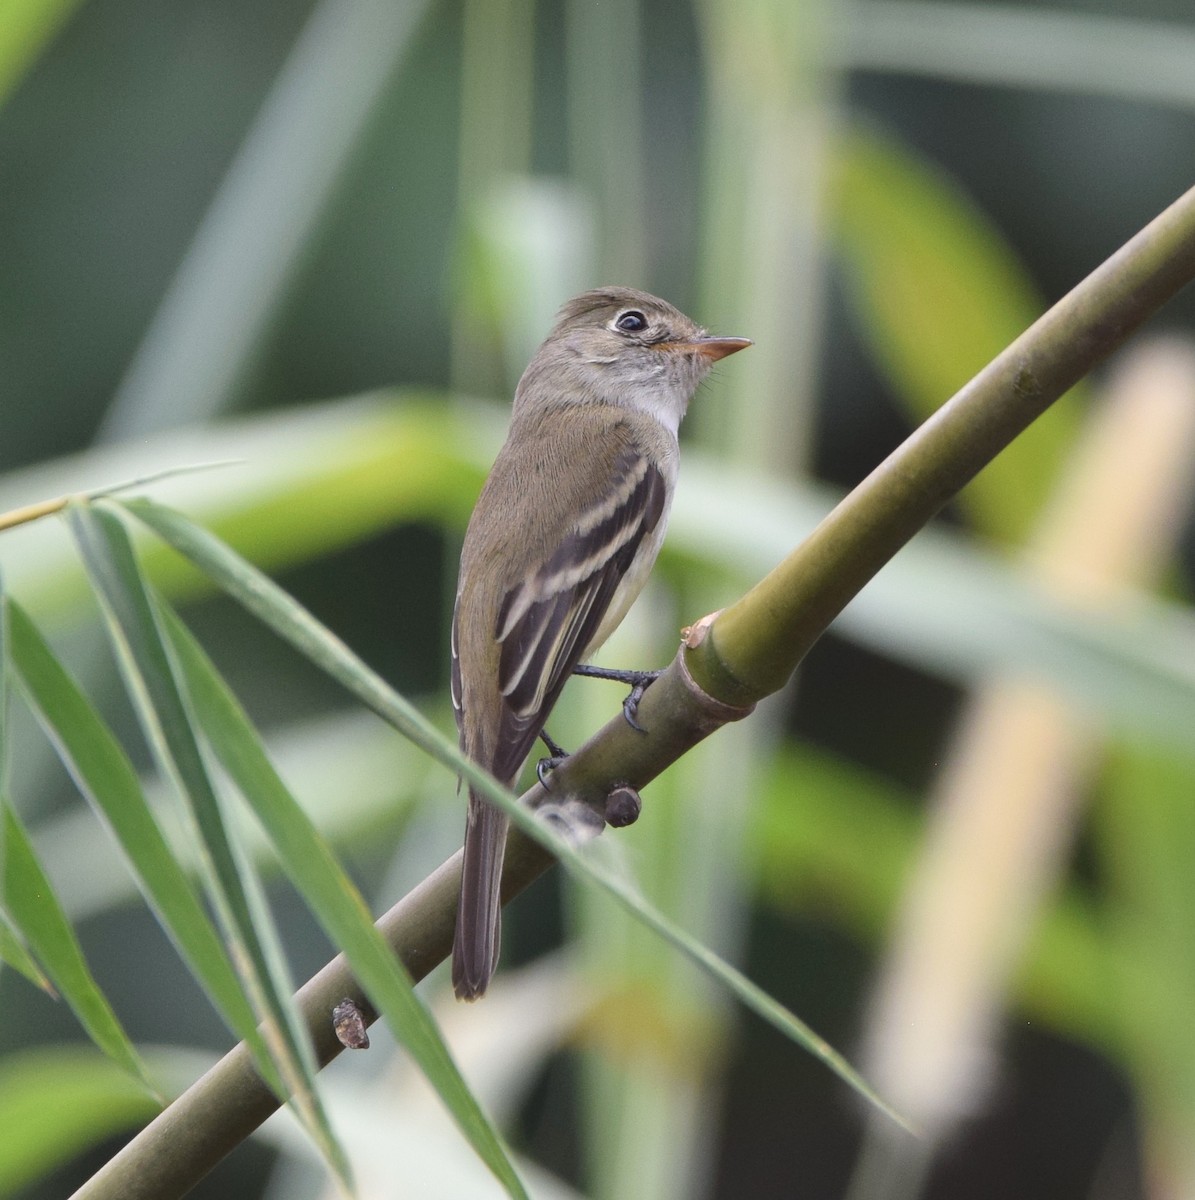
x,y
631,321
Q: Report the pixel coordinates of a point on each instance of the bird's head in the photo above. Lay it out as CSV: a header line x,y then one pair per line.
x,y
627,347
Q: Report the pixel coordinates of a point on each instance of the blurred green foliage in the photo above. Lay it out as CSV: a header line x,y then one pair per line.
x,y
210,206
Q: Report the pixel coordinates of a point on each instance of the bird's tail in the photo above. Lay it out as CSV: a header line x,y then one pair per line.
x,y
479,912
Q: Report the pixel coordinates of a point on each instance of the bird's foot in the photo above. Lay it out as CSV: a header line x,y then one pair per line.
x,y
557,754
639,682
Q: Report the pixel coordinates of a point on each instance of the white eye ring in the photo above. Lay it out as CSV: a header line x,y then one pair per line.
x,y
630,321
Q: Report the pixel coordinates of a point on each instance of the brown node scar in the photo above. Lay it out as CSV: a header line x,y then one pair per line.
x,y
350,1026
623,806
693,635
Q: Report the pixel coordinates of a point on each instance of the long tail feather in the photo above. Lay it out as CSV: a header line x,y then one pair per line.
x,y
478,915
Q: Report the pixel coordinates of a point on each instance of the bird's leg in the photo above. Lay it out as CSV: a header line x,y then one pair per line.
x,y
558,754
638,681
555,749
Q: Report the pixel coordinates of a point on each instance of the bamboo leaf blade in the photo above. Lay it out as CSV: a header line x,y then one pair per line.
x,y
944,604
835,841
45,508
294,624
12,946
748,993
282,1050
28,27
1145,827
57,1101
315,871
106,778
938,294
14,952
30,901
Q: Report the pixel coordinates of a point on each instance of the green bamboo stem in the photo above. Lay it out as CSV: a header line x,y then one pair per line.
x,y
748,652
757,642
224,1106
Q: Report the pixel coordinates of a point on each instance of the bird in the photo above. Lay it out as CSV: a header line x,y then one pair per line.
x,y
561,541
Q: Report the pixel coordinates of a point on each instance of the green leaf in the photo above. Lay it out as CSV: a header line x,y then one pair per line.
x,y
751,996
827,836
30,901
1146,827
291,621
13,951
25,28
337,473
320,478
834,840
232,888
104,775
56,1102
4,742
12,946
28,513
953,609
314,870
939,294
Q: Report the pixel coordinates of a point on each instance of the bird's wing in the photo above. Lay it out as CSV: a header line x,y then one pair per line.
x,y
549,616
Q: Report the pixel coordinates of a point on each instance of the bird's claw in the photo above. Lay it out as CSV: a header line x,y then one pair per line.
x,y
640,681
545,767
556,755
630,707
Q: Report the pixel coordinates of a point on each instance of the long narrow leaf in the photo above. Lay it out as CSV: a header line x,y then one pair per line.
x,y
1049,48
260,223
29,899
13,951
26,28
5,777
56,1102
1146,827
104,775
939,293
44,508
248,929
291,621
943,605
12,946
832,839
314,870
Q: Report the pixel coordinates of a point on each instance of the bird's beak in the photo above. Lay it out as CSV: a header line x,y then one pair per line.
x,y
715,348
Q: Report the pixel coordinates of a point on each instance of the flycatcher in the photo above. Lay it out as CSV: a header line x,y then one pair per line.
x,y
563,537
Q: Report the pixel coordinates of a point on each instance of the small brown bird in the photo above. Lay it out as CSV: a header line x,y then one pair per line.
x,y
563,537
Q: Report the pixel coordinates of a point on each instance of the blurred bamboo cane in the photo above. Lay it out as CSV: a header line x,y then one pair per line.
x,y
1007,799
